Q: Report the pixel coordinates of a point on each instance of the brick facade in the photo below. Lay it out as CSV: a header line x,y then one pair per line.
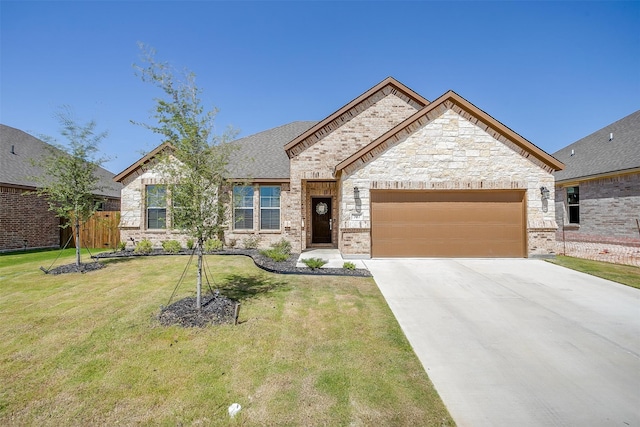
x,y
27,223
323,152
609,208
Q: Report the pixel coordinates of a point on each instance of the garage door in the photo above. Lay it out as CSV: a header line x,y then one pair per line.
x,y
448,224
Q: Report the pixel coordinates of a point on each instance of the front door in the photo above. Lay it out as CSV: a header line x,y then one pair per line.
x,y
321,220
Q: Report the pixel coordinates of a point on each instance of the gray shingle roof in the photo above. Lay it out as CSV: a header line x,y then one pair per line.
x,y
595,154
262,155
16,168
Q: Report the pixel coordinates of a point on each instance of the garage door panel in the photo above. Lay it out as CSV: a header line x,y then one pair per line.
x,y
448,224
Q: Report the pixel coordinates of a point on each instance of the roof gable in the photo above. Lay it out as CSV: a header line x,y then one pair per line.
x,y
138,166
597,154
455,102
350,110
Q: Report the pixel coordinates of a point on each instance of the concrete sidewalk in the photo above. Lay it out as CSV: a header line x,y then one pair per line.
x,y
333,257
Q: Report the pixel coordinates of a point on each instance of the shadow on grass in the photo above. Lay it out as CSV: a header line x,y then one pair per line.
x,y
242,288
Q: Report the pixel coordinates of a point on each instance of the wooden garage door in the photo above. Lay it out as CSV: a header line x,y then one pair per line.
x,y
448,224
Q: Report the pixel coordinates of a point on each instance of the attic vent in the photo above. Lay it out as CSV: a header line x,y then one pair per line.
x,y
572,152
611,136
13,149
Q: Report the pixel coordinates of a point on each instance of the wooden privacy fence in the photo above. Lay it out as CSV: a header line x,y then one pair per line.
x,y
101,231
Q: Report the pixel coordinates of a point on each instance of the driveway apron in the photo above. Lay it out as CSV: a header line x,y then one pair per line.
x,y
521,342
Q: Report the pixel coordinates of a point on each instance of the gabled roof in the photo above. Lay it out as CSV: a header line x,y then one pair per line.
x,y
597,154
449,100
345,113
18,149
259,156
142,162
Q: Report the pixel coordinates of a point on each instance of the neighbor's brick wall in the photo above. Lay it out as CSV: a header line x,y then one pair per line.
x,y
447,153
379,113
25,216
609,208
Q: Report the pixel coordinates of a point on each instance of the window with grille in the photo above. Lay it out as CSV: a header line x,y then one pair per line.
x,y
156,206
242,207
573,204
270,208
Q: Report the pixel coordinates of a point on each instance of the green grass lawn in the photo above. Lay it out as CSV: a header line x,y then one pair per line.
x,y
625,274
86,349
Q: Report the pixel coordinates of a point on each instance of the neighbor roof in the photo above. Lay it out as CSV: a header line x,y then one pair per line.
x,y
18,149
597,154
262,155
462,106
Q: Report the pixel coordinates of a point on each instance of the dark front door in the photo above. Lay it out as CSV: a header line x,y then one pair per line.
x,y
321,220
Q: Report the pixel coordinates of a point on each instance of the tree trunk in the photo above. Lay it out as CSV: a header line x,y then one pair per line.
x,y
77,231
199,281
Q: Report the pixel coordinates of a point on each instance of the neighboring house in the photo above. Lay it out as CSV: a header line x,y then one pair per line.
x,y
388,174
25,219
598,194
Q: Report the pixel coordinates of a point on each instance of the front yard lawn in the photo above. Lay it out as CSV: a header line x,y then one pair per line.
x,y
86,349
625,274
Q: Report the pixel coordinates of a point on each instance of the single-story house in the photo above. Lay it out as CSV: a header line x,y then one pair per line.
x,y
25,219
389,174
598,193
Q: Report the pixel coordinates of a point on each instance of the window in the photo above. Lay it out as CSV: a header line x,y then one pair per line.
x,y
156,206
242,207
573,204
269,208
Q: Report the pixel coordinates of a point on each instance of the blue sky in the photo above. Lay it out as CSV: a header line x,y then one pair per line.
x,y
551,71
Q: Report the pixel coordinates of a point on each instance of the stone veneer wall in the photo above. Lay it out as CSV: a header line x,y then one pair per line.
x,y
609,208
331,145
447,153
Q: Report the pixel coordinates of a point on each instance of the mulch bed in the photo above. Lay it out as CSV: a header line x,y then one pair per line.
x,y
216,310
73,268
263,262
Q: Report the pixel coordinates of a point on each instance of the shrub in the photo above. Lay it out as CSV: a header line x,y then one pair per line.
x,y
314,263
251,242
232,243
171,246
349,265
275,254
283,246
211,245
144,246
191,244
121,246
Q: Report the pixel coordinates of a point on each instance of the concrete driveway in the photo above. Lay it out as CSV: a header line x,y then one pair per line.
x,y
516,342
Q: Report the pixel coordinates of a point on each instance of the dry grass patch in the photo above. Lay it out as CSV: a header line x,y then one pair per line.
x,y
86,349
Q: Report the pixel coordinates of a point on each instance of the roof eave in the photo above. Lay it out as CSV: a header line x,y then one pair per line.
x,y
471,109
146,159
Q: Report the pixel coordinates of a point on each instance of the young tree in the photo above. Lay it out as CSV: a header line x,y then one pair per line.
x,y
69,181
194,165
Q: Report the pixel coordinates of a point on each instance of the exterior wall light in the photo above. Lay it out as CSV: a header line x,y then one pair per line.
x,y
544,192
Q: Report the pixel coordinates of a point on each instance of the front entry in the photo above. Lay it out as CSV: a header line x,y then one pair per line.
x,y
321,220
